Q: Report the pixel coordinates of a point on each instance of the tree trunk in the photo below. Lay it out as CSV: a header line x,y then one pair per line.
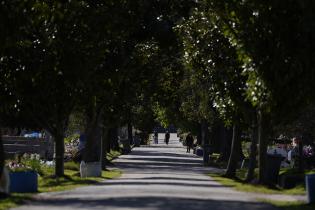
x,y
205,140
93,132
242,156
235,152
263,134
199,136
60,151
225,143
92,150
114,138
104,148
2,158
130,133
107,142
204,133
253,149
301,157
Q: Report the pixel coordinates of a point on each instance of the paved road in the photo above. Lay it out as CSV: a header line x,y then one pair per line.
x,y
154,177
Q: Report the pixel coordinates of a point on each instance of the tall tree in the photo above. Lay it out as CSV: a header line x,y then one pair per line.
x,y
277,37
45,63
209,53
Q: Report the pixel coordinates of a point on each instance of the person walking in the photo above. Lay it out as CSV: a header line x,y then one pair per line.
x,y
189,142
167,137
156,137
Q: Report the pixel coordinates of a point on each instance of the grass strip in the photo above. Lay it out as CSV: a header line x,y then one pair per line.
x,y
49,184
293,205
113,154
248,187
14,200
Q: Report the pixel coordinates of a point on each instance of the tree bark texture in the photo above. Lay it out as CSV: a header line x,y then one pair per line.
x,y
93,143
199,136
253,149
108,139
263,134
60,152
93,131
301,157
114,138
130,133
204,133
225,136
205,140
2,157
104,145
235,152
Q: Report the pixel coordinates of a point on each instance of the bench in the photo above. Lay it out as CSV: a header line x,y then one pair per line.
x,y
19,145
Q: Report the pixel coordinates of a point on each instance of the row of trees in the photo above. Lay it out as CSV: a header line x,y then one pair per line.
x,y
250,64
194,63
104,59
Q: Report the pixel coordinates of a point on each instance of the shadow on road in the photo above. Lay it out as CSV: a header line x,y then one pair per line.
x,y
152,203
168,184
168,178
158,161
164,159
159,154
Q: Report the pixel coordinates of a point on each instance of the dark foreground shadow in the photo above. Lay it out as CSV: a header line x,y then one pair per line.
x,y
155,203
167,184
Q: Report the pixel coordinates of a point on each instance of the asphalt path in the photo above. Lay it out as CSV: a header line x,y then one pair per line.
x,y
154,177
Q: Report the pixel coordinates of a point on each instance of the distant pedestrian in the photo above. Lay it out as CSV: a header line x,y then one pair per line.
x,y
167,137
189,142
156,137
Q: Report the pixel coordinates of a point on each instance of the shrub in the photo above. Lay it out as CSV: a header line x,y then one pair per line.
x,y
28,162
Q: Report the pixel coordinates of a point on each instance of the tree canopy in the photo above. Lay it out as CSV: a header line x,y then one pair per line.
x,y
138,62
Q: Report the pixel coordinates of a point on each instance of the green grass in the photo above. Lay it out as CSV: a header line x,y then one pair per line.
x,y
14,200
246,187
284,205
213,161
48,183
240,185
113,154
72,180
71,165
